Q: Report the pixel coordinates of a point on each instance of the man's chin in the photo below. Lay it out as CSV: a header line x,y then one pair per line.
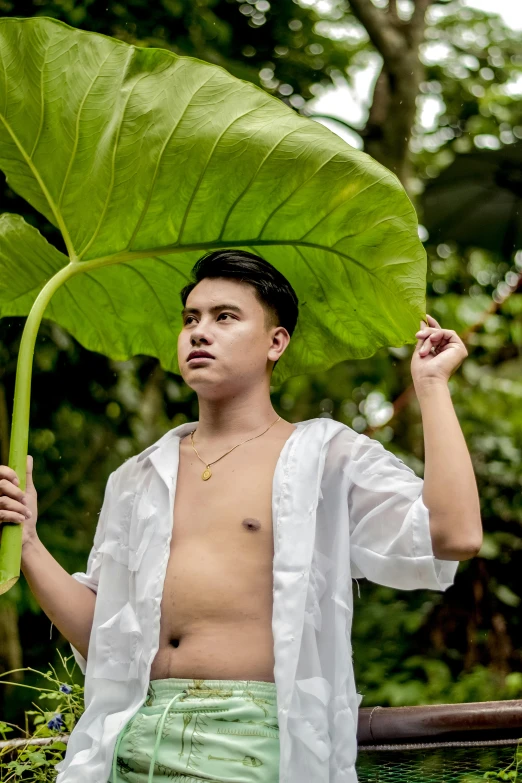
x,y
202,375
210,385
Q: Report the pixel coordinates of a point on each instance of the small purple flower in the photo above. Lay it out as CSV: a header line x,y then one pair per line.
x,y
65,689
56,722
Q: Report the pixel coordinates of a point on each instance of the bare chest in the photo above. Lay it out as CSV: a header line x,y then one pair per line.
x,y
230,513
221,553
216,610
239,489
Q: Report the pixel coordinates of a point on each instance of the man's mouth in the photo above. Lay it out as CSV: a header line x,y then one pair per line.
x,y
199,356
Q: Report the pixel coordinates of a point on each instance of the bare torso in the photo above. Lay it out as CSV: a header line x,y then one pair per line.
x,y
216,610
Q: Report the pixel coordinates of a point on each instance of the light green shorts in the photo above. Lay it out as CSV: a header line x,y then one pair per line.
x,y
225,731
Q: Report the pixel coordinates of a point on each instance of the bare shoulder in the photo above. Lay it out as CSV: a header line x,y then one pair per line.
x,y
284,429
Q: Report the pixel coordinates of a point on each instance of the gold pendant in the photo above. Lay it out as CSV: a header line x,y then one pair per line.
x,y
206,474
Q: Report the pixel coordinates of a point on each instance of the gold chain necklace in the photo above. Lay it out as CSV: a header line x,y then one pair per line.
x,y
207,473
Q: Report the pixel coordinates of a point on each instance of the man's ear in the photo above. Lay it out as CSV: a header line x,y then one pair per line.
x,y
282,336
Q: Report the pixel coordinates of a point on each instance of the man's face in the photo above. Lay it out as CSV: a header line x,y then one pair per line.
x,y
225,319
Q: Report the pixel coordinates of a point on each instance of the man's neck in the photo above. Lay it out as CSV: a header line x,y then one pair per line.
x,y
231,419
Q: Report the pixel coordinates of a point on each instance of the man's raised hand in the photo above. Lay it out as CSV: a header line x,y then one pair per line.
x,y
439,352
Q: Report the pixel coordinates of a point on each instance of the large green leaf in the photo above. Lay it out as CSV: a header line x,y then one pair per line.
x,y
145,160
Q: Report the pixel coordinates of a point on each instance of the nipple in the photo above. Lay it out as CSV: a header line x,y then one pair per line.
x,y
251,524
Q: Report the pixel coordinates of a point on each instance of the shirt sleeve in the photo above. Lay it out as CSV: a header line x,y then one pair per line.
x,y
389,523
91,576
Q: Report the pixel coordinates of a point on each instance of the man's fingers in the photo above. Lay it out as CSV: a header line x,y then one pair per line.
x,y
11,516
432,337
433,343
433,321
8,473
430,330
427,341
8,489
426,348
9,508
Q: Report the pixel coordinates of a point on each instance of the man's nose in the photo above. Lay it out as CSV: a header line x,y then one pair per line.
x,y
200,335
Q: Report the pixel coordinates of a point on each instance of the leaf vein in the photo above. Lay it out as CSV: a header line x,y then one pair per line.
x,y
166,263
114,151
88,318
154,296
256,172
41,183
292,194
314,272
255,242
77,132
158,164
331,211
105,291
42,107
205,167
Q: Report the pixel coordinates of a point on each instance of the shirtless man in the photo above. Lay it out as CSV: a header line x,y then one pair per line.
x,y
216,614
215,655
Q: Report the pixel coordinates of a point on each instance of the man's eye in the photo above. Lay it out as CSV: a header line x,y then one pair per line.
x,y
190,318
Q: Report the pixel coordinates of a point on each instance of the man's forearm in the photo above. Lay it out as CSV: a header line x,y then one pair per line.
x,y
67,603
450,489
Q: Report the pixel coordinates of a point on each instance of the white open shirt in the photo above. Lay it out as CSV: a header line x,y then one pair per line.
x,y
343,507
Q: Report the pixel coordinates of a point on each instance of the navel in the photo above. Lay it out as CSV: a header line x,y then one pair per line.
x,y
251,524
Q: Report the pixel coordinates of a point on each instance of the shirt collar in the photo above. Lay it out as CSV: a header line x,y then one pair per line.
x,y
164,454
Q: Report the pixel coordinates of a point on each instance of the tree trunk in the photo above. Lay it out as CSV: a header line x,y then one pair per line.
x,y
392,115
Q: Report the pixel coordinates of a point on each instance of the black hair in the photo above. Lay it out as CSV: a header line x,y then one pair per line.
x,y
271,287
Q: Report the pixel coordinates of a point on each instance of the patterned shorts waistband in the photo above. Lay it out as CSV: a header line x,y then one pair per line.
x,y
163,690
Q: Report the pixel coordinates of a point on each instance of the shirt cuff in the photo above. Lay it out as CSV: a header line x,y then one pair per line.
x,y
434,574
80,660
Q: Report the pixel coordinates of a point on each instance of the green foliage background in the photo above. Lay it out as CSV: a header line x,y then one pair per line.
x,y
90,413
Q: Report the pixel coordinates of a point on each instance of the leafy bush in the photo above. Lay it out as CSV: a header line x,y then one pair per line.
x,y
64,704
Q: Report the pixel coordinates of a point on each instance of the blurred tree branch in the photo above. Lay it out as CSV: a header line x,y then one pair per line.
x,y
380,27
392,9
392,113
